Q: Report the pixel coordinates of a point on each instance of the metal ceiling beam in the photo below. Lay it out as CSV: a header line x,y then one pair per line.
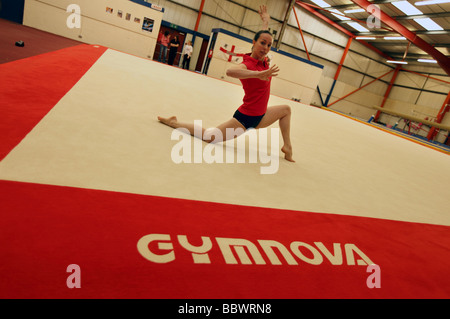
x,y
339,27
387,33
324,18
425,15
443,61
385,43
351,5
403,17
411,56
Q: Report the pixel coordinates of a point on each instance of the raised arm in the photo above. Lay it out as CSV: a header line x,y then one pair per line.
x,y
265,17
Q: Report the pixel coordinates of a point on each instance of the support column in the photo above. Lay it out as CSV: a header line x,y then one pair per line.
x,y
360,88
388,91
444,109
301,34
341,63
197,23
283,27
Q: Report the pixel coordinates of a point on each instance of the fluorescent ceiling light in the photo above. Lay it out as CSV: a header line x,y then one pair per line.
x,y
396,62
365,38
407,8
357,26
338,14
429,24
428,2
427,61
362,10
321,3
394,38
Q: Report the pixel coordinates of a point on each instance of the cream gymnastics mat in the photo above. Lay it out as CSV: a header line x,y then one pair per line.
x,y
103,134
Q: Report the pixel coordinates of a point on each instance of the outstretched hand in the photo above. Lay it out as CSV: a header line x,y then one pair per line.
x,y
265,17
267,74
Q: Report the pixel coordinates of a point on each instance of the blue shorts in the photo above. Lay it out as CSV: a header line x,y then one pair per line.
x,y
248,121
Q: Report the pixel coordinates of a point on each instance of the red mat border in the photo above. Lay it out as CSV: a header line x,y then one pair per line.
x,y
47,228
31,87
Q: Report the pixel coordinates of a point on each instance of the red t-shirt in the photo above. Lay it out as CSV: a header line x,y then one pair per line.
x,y
257,92
165,40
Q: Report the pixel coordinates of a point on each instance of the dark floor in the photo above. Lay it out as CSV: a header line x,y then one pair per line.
x,y
36,41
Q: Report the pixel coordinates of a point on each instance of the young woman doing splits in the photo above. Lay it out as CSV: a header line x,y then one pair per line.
x,y
255,75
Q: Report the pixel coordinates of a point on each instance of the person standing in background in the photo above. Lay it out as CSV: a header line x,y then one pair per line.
x,y
163,48
174,44
187,53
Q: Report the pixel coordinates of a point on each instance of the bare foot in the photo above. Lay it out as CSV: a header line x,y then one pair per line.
x,y
287,150
170,121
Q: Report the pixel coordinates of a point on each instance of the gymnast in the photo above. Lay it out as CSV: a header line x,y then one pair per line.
x,y
256,75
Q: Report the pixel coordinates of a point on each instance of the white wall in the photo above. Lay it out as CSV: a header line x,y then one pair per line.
x,y
97,25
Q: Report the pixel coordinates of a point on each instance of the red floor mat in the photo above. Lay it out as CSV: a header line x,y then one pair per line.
x,y
47,228
31,87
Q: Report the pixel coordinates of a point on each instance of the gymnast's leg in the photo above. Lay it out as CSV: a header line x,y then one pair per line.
x,y
283,114
230,124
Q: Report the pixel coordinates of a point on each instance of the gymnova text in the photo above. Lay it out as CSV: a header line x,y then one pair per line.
x,y
214,152
162,248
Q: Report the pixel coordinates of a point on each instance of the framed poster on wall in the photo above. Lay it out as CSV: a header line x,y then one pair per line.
x,y
147,25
